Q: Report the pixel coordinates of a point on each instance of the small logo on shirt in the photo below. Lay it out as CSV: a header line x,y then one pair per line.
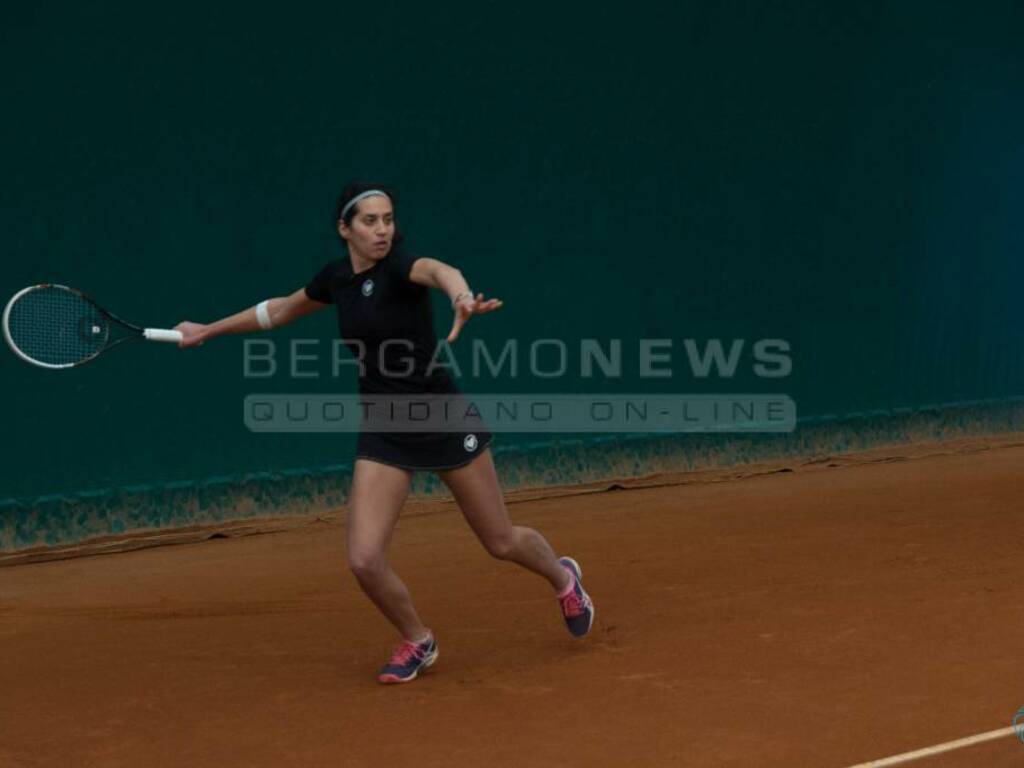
x,y
470,443
368,288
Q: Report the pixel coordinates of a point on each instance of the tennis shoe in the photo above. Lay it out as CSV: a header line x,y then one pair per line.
x,y
577,607
408,660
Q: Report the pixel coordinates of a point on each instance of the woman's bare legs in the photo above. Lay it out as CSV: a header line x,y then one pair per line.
x,y
375,502
478,494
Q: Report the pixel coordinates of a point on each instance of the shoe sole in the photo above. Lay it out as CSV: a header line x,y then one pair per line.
x,y
579,578
394,679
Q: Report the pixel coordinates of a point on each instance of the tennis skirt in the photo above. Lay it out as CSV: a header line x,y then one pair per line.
x,y
431,451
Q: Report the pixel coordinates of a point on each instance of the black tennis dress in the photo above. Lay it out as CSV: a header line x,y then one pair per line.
x,y
392,317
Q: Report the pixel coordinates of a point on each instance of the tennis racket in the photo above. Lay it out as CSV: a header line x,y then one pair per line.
x,y
54,326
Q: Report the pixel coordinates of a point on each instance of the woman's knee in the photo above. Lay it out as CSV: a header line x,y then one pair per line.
x,y
366,564
503,545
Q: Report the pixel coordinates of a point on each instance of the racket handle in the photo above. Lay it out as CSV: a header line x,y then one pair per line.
x,y
159,334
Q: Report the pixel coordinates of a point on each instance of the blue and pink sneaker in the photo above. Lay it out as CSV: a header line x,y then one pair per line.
x,y
408,660
577,607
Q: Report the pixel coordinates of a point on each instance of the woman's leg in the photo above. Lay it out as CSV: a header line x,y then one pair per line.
x,y
378,492
476,490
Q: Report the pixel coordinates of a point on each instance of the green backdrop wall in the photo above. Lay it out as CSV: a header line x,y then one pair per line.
x,y
849,179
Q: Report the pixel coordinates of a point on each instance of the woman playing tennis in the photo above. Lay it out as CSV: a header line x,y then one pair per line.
x,y
380,291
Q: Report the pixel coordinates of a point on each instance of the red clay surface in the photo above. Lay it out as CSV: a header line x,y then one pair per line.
x,y
821,617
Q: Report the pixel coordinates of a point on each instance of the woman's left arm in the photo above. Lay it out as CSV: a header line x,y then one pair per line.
x,y
436,274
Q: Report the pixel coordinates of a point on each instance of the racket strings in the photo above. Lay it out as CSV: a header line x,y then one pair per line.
x,y
56,326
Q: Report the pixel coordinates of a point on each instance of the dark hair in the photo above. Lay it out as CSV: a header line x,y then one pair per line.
x,y
357,188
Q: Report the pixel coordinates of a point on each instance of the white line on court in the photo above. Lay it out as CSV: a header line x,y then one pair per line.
x,y
938,749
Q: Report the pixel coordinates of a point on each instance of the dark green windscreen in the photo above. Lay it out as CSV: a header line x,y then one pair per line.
x,y
846,177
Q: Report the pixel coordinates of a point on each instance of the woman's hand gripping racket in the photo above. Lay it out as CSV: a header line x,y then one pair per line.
x,y
54,326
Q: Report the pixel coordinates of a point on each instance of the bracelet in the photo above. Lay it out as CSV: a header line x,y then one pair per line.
x,y
263,316
461,296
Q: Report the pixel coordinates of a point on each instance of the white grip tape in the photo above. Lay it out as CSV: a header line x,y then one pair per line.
x,y
263,315
160,334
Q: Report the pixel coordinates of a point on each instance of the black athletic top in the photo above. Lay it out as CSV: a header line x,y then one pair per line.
x,y
392,317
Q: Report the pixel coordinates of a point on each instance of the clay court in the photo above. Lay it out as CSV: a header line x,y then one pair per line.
x,y
818,614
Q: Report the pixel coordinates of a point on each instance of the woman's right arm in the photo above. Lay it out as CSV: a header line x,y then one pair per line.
x,y
281,311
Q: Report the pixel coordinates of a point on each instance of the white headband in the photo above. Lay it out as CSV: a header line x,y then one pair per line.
x,y
361,196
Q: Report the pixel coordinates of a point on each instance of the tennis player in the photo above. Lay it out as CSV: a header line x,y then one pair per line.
x,y
381,293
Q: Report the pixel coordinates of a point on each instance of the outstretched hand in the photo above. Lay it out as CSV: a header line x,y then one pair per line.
x,y
467,307
192,334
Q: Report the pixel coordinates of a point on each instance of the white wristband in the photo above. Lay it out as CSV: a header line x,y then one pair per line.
x,y
461,296
263,316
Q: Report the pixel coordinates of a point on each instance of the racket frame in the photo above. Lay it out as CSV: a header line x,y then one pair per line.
x,y
152,334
